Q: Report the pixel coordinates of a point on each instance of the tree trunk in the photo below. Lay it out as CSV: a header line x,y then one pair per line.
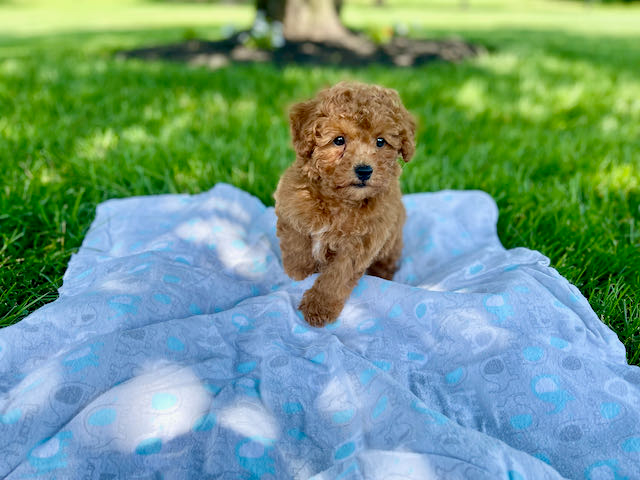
x,y
312,20
315,20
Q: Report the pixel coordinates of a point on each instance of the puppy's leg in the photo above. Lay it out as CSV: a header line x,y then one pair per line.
x,y
297,260
386,263
323,302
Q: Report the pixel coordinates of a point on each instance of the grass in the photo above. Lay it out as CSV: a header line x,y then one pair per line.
x,y
548,123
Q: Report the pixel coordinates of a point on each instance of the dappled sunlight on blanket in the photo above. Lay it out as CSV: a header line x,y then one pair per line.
x,y
156,406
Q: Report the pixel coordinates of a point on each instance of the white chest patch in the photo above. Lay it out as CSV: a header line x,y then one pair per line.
x,y
318,248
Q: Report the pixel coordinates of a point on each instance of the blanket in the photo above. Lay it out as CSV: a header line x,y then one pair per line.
x,y
175,350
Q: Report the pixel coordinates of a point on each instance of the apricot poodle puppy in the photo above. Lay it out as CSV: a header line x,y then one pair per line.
x,y
339,205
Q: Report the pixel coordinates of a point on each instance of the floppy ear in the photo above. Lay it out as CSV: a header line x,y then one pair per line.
x,y
408,134
303,122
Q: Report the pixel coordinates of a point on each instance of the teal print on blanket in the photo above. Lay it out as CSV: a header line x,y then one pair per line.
x,y
395,312
609,410
434,417
85,357
149,446
319,358
533,354
205,423
343,416
454,376
360,288
367,375
543,457
253,455
102,417
604,469
261,266
498,305
162,298
559,343
296,434
163,401
124,305
246,367
345,451
291,408
428,246
548,389
175,344
631,445
383,365
300,329
521,422
11,417
49,454
380,407
239,244
84,274
475,269
415,357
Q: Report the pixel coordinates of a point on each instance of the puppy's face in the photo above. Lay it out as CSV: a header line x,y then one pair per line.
x,y
349,137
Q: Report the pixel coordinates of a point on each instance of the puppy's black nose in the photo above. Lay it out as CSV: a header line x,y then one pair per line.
x,y
363,172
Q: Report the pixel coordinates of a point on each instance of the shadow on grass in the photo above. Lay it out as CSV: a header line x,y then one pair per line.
x,y
400,51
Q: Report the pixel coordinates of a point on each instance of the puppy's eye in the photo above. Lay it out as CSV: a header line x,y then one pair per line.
x,y
380,142
339,141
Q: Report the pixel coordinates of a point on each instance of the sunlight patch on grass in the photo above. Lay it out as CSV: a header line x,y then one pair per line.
x,y
532,110
136,134
472,95
47,176
97,145
500,63
622,179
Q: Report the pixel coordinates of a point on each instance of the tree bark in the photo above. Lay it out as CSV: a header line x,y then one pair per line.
x,y
315,20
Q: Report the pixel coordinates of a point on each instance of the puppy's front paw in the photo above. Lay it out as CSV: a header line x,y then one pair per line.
x,y
298,267
319,311
300,273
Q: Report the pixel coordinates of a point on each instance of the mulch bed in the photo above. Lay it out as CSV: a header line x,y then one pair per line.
x,y
399,52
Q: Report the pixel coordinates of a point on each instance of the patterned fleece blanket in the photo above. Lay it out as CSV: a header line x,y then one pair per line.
x,y
175,350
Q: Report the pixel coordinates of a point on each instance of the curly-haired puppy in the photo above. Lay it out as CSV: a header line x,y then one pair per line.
x,y
339,205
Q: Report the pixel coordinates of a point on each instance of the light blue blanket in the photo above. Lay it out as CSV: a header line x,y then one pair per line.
x,y
175,350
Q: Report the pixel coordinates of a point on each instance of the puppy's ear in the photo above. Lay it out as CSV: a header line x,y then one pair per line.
x,y
303,118
408,134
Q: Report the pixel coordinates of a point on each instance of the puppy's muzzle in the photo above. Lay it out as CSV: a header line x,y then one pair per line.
x,y
363,172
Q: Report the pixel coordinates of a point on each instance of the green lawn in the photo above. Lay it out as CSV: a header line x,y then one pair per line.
x,y
548,123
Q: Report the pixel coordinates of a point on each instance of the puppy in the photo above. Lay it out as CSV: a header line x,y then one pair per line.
x,y
339,205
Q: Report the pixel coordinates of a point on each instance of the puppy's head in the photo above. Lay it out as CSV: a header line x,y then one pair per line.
x,y
349,137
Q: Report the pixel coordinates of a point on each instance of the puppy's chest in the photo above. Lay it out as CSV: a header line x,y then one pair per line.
x,y
320,244
328,239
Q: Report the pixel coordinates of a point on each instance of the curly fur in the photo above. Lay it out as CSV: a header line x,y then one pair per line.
x,y
329,220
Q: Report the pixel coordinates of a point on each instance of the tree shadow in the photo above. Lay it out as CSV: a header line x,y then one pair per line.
x,y
399,52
